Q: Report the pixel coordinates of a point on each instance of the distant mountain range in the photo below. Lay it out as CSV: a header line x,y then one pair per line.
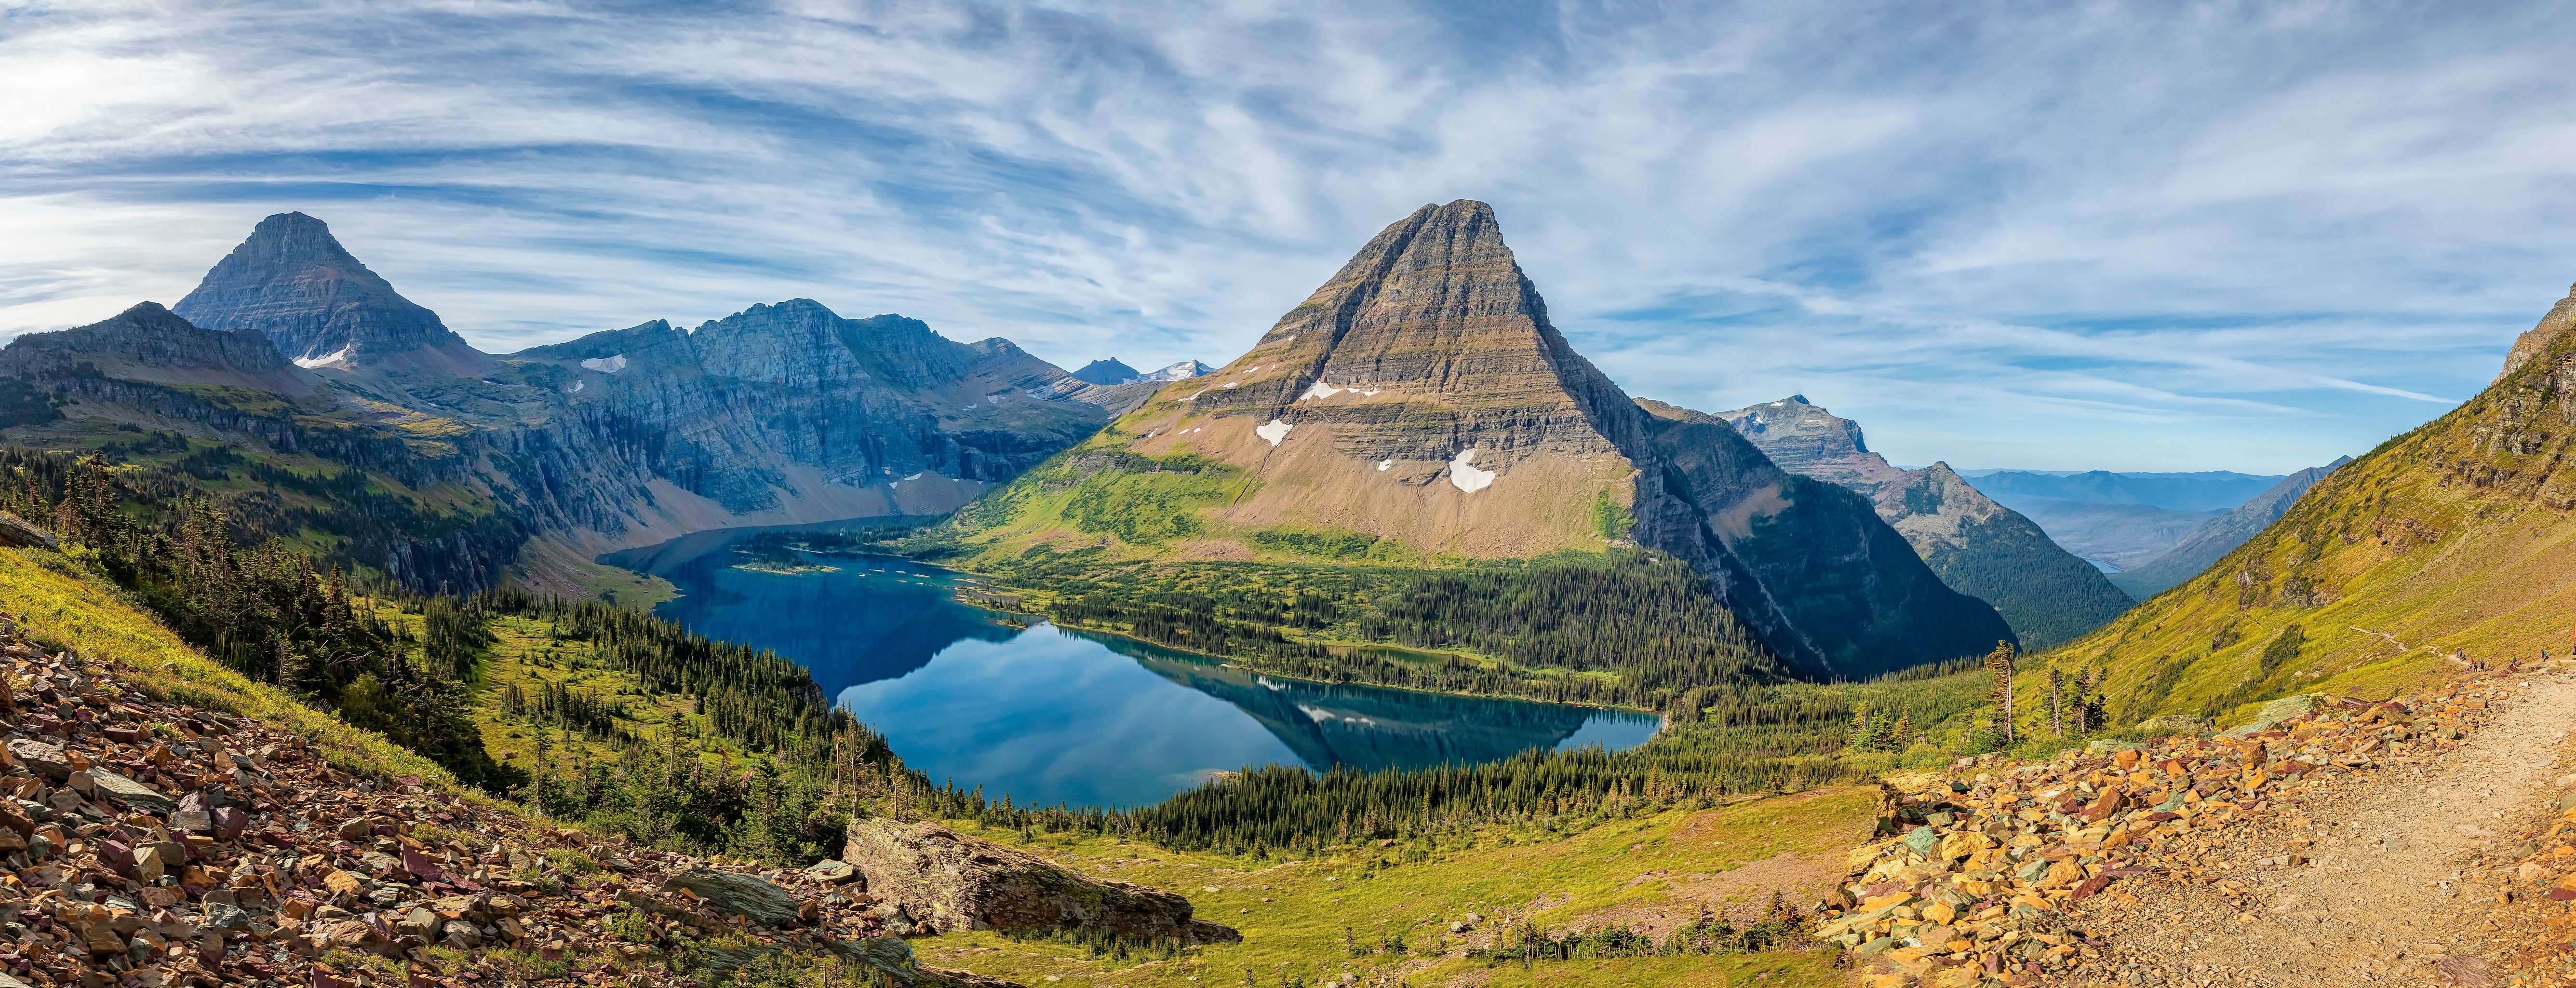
x,y
2219,536
292,352
1114,372
1979,547
2456,537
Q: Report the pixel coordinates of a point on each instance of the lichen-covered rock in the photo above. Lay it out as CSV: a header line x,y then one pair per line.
x,y
16,533
748,896
950,881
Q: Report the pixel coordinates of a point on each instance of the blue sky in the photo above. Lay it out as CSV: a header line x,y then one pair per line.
x,y
2157,236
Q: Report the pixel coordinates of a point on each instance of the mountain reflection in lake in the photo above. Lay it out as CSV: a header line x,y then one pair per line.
x,y
1049,715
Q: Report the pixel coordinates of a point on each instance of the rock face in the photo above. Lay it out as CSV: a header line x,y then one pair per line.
x,y
2217,537
950,881
792,396
293,282
1979,548
2560,319
1422,398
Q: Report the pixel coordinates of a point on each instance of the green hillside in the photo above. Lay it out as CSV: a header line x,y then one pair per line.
x,y
2453,538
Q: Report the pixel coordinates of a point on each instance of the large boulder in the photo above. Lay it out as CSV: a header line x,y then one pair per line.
x,y
949,881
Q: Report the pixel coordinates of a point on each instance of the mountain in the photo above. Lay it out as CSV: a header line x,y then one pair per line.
x,y
338,413
2218,536
1420,407
1181,371
2116,536
2456,537
1107,372
292,281
2215,490
1979,548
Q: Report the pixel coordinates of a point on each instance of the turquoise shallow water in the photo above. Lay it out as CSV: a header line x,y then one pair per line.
x,y
1049,715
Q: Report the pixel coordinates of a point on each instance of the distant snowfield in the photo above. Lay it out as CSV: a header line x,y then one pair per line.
x,y
1468,478
1319,389
1275,431
308,363
606,365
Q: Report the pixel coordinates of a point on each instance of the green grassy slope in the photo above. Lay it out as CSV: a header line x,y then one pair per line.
x,y
2456,537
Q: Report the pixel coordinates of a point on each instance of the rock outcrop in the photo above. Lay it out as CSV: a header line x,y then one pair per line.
x,y
293,282
2561,318
2217,537
945,880
1979,548
16,533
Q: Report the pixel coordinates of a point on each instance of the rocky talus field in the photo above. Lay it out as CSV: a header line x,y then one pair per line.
x,y
2419,840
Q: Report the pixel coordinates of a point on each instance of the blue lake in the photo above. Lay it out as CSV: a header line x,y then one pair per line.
x,y
1049,715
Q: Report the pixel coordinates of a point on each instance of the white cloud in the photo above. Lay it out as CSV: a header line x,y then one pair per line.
x,y
2135,236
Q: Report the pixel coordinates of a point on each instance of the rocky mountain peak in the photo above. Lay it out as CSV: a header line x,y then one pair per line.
x,y
1433,333
1794,433
1111,371
2560,319
294,282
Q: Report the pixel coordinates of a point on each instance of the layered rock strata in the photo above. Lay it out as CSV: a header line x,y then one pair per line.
x,y
292,282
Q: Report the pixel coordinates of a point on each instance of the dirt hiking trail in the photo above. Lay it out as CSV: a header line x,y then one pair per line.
x,y
2400,879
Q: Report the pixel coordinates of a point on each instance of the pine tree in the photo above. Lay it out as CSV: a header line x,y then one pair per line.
x,y
2000,662
2056,723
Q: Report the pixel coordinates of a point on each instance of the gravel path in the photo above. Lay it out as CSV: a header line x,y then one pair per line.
x,y
2400,880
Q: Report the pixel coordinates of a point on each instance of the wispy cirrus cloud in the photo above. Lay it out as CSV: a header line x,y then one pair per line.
x,y
2141,236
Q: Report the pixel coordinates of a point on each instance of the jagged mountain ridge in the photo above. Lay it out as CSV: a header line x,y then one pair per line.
x,y
1978,547
2458,537
783,413
2214,538
1421,403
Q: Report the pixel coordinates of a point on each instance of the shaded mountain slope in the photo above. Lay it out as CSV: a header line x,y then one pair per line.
x,y
2217,536
1420,406
2455,537
1978,547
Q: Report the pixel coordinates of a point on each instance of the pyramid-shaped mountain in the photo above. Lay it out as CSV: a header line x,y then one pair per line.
x,y
2453,543
292,281
1980,548
1422,405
